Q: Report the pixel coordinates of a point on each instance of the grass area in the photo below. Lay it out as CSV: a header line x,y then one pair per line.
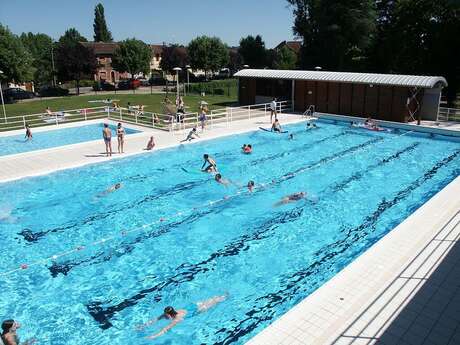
x,y
227,87
152,103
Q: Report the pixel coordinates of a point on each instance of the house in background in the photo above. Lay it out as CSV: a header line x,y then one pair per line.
x,y
157,53
295,46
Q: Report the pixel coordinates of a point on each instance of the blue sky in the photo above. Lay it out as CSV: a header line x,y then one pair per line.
x,y
155,21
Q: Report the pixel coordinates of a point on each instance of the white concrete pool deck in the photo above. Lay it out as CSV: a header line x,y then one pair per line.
x,y
394,293
41,162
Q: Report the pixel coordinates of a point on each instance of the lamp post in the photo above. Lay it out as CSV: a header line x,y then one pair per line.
x,y
3,102
52,63
188,79
177,69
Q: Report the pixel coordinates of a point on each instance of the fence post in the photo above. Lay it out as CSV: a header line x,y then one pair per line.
x,y
108,112
84,112
121,114
153,119
24,121
231,114
55,116
265,109
135,116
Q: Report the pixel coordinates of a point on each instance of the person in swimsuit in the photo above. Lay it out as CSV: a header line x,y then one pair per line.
x,y
111,189
120,137
150,144
212,165
291,198
9,336
221,180
369,123
311,125
28,135
191,135
251,186
291,136
247,149
177,316
276,127
202,119
273,110
107,135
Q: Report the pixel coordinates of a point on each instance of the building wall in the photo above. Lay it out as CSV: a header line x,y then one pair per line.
x,y
362,100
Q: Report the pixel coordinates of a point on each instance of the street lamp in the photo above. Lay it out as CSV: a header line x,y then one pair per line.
x,y
52,63
3,102
188,78
177,69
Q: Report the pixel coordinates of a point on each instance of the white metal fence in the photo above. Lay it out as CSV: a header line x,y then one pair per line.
x,y
133,115
448,114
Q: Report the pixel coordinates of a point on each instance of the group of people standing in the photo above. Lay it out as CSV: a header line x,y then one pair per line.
x,y
107,135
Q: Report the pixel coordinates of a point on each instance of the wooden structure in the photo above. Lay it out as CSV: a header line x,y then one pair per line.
x,y
389,97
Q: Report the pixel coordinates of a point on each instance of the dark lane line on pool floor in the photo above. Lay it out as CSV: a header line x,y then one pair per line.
x,y
35,236
68,265
295,281
103,314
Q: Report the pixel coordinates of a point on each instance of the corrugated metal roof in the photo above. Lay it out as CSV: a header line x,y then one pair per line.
x,y
346,77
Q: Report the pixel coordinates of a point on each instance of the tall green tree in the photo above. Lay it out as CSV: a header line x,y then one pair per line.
x,y
101,31
173,56
335,33
252,50
73,60
41,48
285,58
132,56
15,60
208,54
419,37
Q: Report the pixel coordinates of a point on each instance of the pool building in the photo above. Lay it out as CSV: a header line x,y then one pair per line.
x,y
391,97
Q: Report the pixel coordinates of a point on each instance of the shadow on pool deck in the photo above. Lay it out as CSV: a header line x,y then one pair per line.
x,y
422,304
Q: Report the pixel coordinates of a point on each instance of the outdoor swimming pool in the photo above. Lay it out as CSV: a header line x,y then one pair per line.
x,y
53,138
173,236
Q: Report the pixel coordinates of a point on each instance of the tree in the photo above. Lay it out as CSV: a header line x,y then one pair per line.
x,y
285,58
132,56
252,49
173,56
235,60
40,46
15,60
335,33
73,60
419,37
101,32
208,54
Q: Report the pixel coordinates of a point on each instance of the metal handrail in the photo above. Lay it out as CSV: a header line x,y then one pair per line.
x,y
448,114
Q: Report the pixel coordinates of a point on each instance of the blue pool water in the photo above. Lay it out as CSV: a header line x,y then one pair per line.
x,y
52,138
174,236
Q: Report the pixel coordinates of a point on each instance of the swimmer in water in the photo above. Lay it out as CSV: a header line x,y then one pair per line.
x,y
311,125
251,185
177,316
212,165
111,189
28,135
191,135
292,198
221,180
276,127
291,136
247,149
9,335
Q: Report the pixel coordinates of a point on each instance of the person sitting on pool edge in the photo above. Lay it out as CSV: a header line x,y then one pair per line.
x,y
276,127
292,198
9,336
177,316
212,165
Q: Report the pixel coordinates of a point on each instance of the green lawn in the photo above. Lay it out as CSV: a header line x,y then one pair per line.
x,y
152,103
